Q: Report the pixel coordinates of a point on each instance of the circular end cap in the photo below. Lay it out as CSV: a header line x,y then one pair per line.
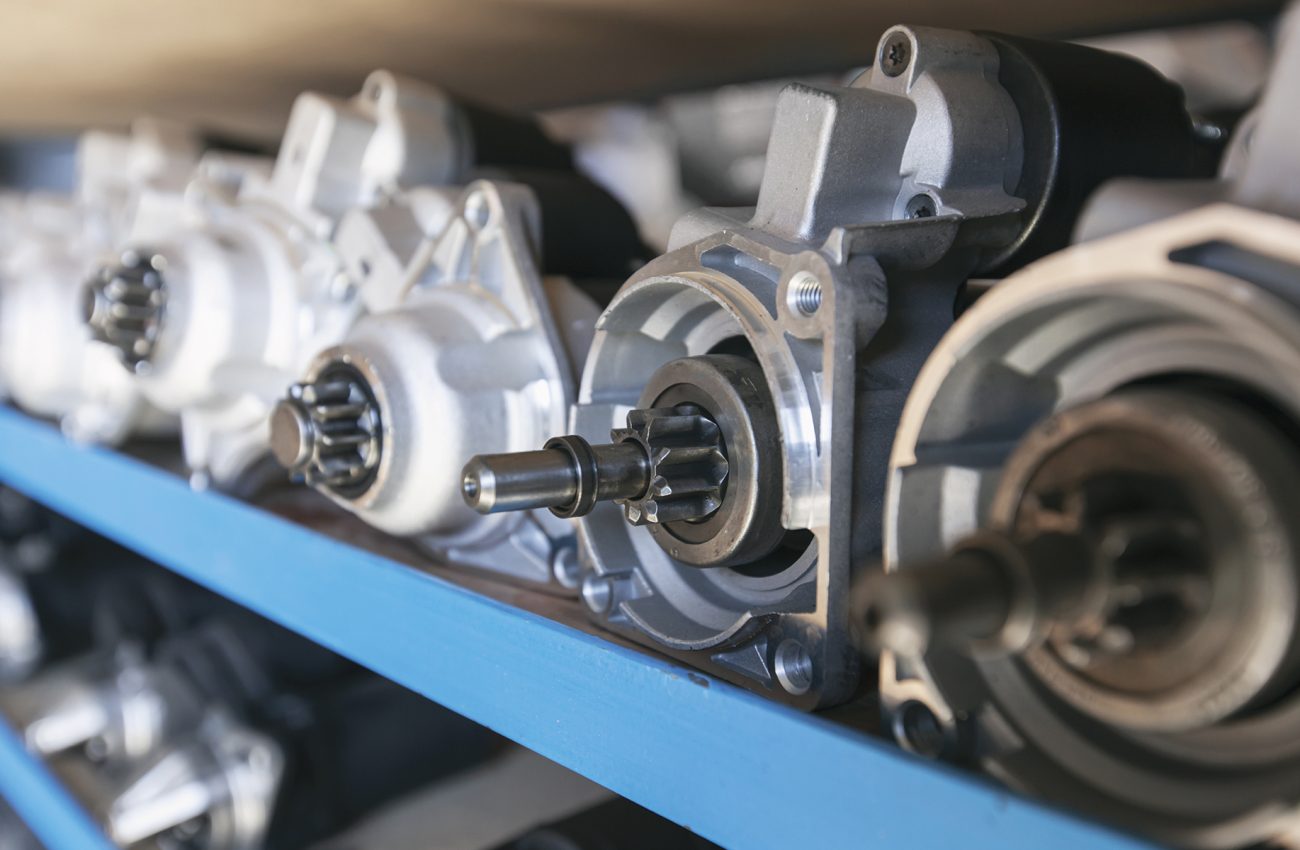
x,y
478,486
292,434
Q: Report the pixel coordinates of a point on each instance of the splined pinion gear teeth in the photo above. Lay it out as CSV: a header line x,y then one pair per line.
x,y
336,433
687,464
124,305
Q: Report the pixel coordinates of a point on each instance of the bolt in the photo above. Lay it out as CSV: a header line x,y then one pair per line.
x,y
598,593
565,567
804,293
794,667
895,53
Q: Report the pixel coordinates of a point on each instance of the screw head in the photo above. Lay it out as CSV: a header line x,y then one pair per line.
x,y
921,206
895,54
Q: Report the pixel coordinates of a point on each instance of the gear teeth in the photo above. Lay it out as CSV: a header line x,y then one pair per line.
x,y
1152,560
344,430
687,464
124,306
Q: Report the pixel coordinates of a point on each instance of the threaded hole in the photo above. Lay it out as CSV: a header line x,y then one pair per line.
x,y
804,294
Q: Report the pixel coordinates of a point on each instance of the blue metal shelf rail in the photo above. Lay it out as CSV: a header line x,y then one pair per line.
x,y
738,770
38,798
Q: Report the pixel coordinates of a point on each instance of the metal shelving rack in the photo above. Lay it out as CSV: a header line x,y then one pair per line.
x,y
741,771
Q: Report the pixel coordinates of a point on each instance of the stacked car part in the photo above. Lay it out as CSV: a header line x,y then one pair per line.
x,y
187,721
1082,487
765,358
469,346
1106,445
217,306
47,365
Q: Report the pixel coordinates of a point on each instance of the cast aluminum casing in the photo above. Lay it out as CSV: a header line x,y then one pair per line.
x,y
254,285
47,364
467,349
1207,295
910,170
1070,329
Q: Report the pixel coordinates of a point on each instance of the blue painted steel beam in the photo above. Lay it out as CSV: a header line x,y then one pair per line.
x,y
38,798
739,770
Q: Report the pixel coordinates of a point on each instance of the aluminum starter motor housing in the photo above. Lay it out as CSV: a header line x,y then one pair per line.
x,y
1166,354
216,306
48,365
467,348
797,327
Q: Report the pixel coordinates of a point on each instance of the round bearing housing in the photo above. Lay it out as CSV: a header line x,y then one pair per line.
x,y
742,583
1206,303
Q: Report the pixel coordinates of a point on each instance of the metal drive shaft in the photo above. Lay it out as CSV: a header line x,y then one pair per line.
x,y
569,476
989,592
666,466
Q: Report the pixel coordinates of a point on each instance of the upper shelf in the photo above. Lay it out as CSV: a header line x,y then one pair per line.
x,y
738,770
239,63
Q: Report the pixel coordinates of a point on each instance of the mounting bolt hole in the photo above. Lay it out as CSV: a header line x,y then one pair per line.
x,y
794,667
804,294
917,729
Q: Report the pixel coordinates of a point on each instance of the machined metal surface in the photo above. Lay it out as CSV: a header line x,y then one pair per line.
x,y
667,468
878,202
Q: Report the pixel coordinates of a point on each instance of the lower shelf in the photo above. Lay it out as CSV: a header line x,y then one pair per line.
x,y
743,772
38,798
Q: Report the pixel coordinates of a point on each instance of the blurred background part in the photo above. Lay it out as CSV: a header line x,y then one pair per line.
x,y
241,62
690,126
666,156
14,834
